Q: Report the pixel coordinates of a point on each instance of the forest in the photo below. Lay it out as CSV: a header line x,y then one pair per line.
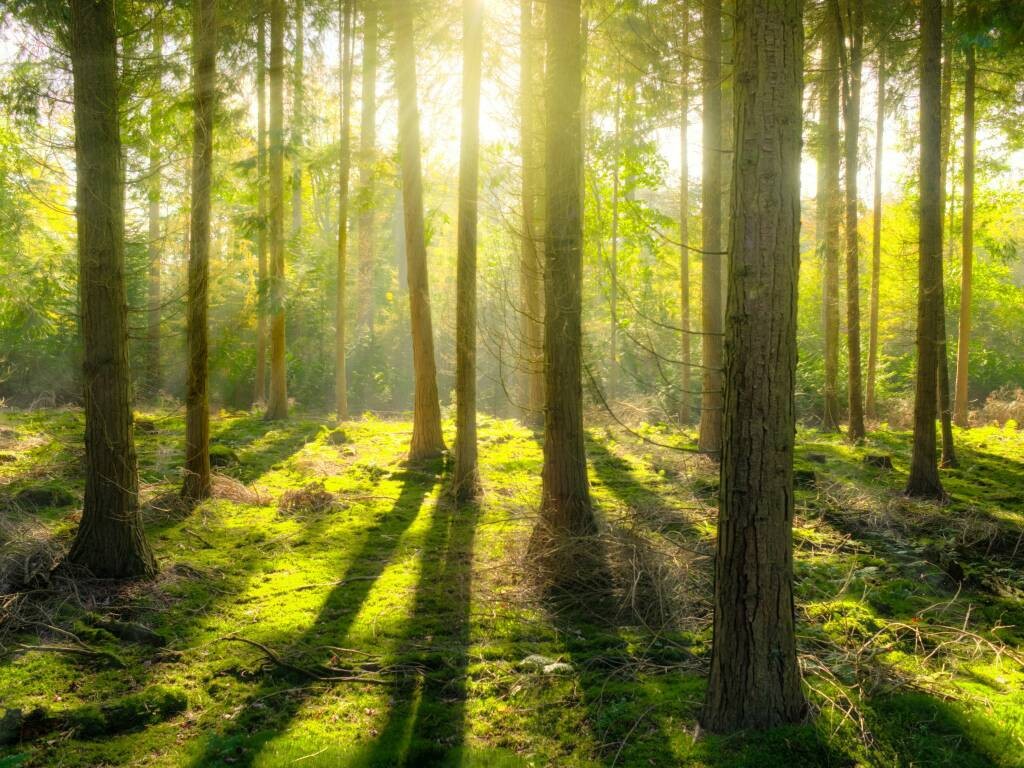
x,y
512,383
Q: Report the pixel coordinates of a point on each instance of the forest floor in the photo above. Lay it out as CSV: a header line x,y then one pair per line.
x,y
332,607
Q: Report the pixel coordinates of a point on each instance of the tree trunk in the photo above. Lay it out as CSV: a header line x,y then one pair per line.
x,y
298,121
613,261
710,439
277,405
685,416
466,481
565,495
153,372
924,471
367,142
851,114
831,218
876,241
960,410
531,269
755,679
345,52
427,440
110,541
260,392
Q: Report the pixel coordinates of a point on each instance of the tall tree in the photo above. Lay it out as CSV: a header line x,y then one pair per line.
x,y
710,438
531,255
345,52
924,471
851,62
876,239
197,483
565,493
613,259
110,541
153,373
831,204
466,480
277,403
755,679
960,408
298,119
260,392
427,439
686,355
367,145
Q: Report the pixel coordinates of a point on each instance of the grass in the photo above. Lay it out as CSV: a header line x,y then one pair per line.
x,y
427,611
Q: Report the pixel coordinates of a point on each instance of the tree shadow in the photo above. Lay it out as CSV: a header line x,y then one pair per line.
x,y
243,740
260,445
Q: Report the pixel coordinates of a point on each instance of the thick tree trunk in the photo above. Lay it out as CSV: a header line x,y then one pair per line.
x,y
924,471
851,114
960,410
466,480
197,483
565,494
277,404
686,356
367,144
345,46
876,242
427,440
710,439
154,376
755,679
298,121
110,541
831,218
260,392
531,267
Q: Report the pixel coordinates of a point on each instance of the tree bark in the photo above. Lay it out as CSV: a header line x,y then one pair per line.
x,y
367,144
565,494
710,438
831,218
466,480
277,404
961,408
260,392
686,352
948,458
110,541
427,439
924,471
345,45
755,679
876,242
531,267
154,376
197,484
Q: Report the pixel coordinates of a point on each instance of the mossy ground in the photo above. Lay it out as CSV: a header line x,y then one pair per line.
x,y
433,606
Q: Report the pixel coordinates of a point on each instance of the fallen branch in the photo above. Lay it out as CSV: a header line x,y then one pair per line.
x,y
317,674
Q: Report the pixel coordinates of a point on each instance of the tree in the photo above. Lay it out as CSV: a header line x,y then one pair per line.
x,y
685,360
531,256
345,46
466,480
153,373
298,120
197,483
565,495
260,392
710,438
755,679
277,404
960,408
427,440
924,471
829,216
367,142
110,541
876,240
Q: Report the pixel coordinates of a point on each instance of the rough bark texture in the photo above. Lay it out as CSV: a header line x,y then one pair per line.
x,y
154,375
755,679
367,144
924,471
345,49
466,480
110,541
830,218
565,493
686,337
870,406
427,440
277,403
710,438
531,266
197,483
961,413
260,390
